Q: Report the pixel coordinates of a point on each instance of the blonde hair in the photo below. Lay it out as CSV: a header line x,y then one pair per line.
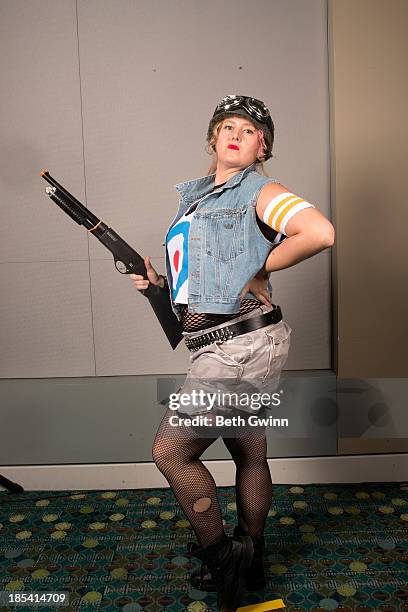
x,y
210,149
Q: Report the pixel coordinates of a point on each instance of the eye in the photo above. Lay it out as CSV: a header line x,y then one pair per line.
x,y
227,126
249,130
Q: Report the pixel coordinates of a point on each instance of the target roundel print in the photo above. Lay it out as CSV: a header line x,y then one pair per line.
x,y
177,249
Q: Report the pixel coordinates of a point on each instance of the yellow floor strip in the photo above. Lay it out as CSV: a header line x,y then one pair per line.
x,y
265,606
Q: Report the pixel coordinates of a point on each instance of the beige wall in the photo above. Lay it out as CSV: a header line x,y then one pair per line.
x,y
114,99
369,152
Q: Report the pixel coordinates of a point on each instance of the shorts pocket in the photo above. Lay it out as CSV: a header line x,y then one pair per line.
x,y
237,351
279,338
278,349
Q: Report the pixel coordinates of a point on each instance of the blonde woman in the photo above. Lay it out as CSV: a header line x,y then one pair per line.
x,y
233,228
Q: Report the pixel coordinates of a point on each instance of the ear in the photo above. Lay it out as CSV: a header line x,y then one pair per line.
x,y
262,146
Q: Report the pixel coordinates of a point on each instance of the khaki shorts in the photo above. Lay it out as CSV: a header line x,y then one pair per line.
x,y
236,371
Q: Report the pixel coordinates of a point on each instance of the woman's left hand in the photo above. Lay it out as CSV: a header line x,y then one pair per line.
x,y
258,286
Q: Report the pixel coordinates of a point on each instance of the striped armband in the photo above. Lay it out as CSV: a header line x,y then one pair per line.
x,y
282,208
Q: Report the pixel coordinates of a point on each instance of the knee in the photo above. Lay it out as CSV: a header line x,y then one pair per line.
x,y
162,455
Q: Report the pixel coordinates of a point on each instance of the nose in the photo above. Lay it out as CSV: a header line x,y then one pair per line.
x,y
236,134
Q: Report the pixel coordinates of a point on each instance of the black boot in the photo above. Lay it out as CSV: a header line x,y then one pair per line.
x,y
255,574
201,579
227,559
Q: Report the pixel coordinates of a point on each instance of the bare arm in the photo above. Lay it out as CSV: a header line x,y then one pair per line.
x,y
308,231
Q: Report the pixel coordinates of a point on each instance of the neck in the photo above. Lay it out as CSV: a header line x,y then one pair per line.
x,y
223,174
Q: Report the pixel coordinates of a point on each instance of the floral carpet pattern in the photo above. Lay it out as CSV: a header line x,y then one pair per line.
x,y
328,547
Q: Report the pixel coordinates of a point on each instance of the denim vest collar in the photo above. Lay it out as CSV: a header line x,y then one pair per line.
x,y
196,188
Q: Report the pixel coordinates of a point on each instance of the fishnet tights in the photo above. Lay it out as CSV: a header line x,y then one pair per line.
x,y
194,321
176,453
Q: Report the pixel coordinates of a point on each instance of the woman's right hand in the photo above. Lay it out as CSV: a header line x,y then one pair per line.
x,y
142,283
258,286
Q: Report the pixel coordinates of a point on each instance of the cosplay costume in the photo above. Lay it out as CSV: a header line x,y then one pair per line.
x,y
215,245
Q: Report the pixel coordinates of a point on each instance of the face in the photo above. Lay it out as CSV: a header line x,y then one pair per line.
x,y
237,143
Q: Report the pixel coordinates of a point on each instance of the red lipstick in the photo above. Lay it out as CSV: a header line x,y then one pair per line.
x,y
232,146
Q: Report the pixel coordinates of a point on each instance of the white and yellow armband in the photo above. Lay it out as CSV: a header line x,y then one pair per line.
x,y
282,208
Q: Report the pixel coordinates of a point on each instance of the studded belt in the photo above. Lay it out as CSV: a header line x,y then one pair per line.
x,y
235,329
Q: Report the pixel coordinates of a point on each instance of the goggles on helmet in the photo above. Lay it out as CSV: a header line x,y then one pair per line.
x,y
254,108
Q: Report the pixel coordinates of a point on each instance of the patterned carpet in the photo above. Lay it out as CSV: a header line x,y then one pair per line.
x,y
328,547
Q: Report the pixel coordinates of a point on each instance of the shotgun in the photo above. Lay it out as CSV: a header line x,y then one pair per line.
x,y
127,260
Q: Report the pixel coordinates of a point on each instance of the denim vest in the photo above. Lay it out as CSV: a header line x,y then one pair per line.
x,y
226,248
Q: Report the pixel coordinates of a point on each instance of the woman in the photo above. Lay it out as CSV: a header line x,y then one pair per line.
x,y
233,227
